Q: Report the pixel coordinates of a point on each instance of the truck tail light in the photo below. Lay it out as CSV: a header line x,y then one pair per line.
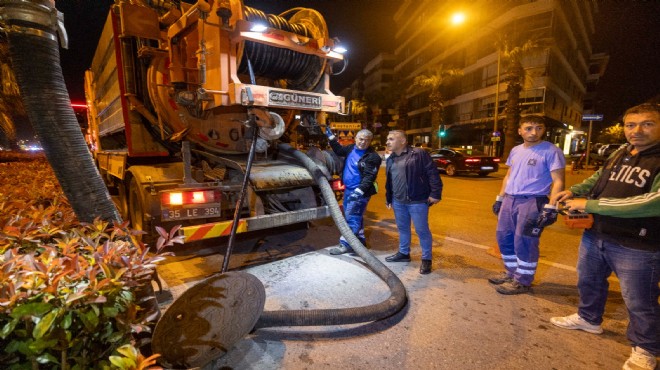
x,y
337,185
179,198
199,197
175,199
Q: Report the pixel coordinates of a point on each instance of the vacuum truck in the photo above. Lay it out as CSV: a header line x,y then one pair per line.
x,y
170,92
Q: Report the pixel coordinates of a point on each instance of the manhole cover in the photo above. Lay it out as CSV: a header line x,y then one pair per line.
x,y
208,319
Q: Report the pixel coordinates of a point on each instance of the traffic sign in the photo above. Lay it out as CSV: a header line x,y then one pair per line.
x,y
592,117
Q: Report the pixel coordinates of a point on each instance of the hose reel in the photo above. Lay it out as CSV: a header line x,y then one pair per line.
x,y
299,71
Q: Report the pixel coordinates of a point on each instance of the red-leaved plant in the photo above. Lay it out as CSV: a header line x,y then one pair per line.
x,y
68,289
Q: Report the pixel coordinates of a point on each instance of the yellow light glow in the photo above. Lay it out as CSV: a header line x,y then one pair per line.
x,y
457,18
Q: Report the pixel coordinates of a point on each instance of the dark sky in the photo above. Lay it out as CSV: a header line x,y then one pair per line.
x,y
629,32
626,30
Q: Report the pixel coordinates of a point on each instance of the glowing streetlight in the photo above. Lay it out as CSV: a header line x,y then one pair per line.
x,y
457,18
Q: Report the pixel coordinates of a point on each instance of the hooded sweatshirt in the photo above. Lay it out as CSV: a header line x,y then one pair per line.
x,y
624,198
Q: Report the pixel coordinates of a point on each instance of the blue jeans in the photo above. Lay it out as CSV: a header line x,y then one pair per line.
x,y
639,275
354,215
520,250
419,214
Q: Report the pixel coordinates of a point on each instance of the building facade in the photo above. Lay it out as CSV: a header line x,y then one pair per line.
x,y
556,67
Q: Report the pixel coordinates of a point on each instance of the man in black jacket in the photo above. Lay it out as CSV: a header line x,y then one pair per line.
x,y
413,185
361,165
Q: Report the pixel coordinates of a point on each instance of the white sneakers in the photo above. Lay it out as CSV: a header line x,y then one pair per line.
x,y
640,359
575,322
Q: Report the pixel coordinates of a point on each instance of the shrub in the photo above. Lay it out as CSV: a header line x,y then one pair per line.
x,y
68,289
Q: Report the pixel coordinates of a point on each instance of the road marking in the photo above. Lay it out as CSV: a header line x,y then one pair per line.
x,y
459,241
460,200
469,244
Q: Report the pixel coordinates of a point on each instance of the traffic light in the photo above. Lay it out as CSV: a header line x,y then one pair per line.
x,y
441,131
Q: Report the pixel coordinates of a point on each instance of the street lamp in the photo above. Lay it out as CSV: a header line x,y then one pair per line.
x,y
457,18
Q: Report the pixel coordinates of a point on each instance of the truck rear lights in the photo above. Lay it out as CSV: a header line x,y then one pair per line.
x,y
180,198
175,199
337,185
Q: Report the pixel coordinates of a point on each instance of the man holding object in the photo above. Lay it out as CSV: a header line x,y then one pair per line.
x,y
624,198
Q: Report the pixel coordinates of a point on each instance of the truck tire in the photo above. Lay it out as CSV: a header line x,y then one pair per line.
x,y
136,212
122,200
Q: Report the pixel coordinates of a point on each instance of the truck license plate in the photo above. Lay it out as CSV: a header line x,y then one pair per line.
x,y
187,213
487,167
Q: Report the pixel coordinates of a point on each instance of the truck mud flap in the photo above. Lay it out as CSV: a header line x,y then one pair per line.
x,y
223,228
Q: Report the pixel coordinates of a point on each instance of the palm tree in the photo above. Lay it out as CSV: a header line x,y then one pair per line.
x,y
516,79
383,101
10,99
434,79
358,109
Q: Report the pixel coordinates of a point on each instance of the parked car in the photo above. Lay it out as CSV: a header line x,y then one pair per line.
x,y
455,160
384,153
607,149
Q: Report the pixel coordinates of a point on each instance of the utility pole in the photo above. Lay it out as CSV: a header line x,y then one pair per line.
x,y
591,118
497,102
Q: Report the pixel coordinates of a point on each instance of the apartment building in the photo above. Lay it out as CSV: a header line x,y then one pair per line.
x,y
556,69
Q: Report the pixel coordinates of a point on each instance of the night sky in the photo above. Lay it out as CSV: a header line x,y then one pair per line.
x,y
626,30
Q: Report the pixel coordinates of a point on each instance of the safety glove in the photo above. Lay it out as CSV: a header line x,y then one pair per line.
x,y
548,216
328,132
497,205
355,195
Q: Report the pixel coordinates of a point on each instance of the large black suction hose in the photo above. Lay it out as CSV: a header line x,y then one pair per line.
x,y
393,304
35,57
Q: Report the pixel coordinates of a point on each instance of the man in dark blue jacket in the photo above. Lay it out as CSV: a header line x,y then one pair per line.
x,y
413,185
361,165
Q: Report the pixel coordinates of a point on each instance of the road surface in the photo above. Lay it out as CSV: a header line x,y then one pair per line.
x,y
454,318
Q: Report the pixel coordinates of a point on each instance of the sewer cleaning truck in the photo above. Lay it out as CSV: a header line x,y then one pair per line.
x,y
171,91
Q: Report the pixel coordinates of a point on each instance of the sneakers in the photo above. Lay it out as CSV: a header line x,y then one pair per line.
x,y
425,268
513,287
398,257
640,359
574,322
500,279
341,250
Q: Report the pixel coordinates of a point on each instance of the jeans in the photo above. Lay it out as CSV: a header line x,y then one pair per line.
x,y
419,214
520,251
639,275
354,215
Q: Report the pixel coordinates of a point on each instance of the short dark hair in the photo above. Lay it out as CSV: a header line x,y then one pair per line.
x,y
534,118
643,108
